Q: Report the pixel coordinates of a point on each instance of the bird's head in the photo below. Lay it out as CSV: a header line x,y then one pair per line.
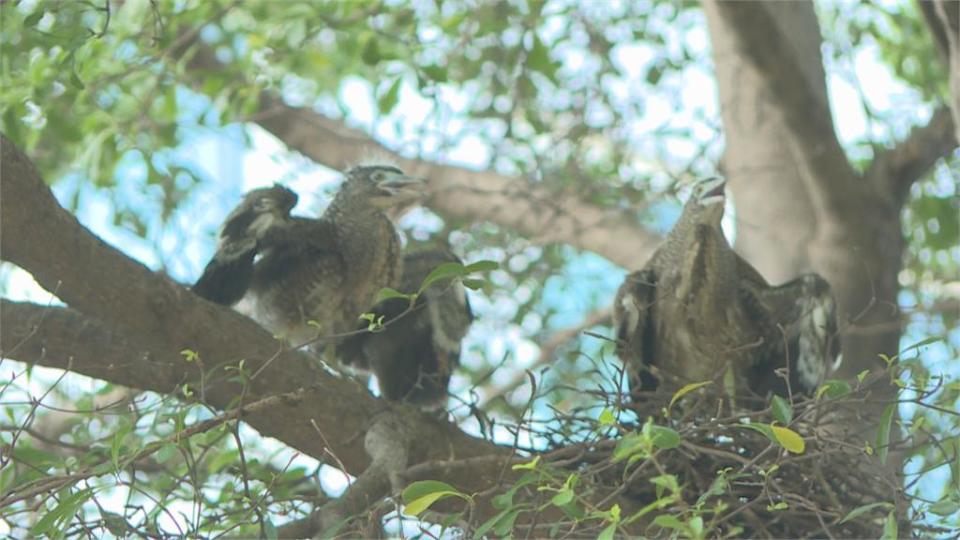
x,y
259,210
384,186
706,201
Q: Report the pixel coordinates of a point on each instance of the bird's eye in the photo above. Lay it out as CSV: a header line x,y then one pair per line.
x,y
377,176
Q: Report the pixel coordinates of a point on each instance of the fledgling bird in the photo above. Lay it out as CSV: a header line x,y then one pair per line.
x,y
306,278
227,276
314,277
413,355
697,309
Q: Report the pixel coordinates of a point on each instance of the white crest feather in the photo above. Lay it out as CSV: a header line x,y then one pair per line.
x,y
376,157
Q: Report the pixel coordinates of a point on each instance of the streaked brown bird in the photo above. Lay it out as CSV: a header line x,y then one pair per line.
x,y
313,277
415,352
697,310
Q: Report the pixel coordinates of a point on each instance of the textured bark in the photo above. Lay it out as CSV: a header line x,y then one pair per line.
x,y
943,20
135,323
800,204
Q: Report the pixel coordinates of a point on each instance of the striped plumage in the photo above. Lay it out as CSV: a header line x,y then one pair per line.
x,y
697,308
313,277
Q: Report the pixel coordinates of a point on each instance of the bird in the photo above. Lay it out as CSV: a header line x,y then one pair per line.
x,y
227,276
312,277
415,350
697,311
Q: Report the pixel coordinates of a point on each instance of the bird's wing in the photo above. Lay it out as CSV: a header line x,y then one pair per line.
x,y
805,310
299,274
748,274
226,277
633,319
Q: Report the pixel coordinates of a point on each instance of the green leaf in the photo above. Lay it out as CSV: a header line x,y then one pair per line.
x,y
776,507
75,80
890,527
418,506
473,284
696,526
371,52
505,525
883,432
833,388
664,438
921,343
944,507
788,439
628,445
686,390
389,99
608,532
860,510
482,266
782,411
445,270
666,521
33,18
563,497
387,293
530,465
501,520
420,488
62,513
666,482
435,73
538,59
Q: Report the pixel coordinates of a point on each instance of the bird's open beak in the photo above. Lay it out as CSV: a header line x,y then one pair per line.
x,y
403,186
713,191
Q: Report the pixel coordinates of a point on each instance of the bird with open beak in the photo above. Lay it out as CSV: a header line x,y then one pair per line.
x,y
697,311
312,278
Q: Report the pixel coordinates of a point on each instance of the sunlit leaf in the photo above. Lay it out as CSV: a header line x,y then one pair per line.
x,y
890,528
686,390
861,510
789,439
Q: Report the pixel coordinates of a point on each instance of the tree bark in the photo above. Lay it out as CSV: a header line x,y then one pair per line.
x,y
128,325
799,203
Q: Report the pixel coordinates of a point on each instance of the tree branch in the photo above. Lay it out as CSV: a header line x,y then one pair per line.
x,y
943,20
143,320
761,43
893,171
542,215
547,351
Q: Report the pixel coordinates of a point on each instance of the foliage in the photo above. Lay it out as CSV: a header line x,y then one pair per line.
x,y
110,99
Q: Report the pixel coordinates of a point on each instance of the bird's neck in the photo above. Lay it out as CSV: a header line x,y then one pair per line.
x,y
368,241
707,274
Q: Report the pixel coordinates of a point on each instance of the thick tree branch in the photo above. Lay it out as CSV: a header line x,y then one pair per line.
x,y
147,319
457,193
893,171
943,20
761,43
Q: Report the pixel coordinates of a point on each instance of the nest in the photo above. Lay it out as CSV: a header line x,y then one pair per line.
x,y
730,480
